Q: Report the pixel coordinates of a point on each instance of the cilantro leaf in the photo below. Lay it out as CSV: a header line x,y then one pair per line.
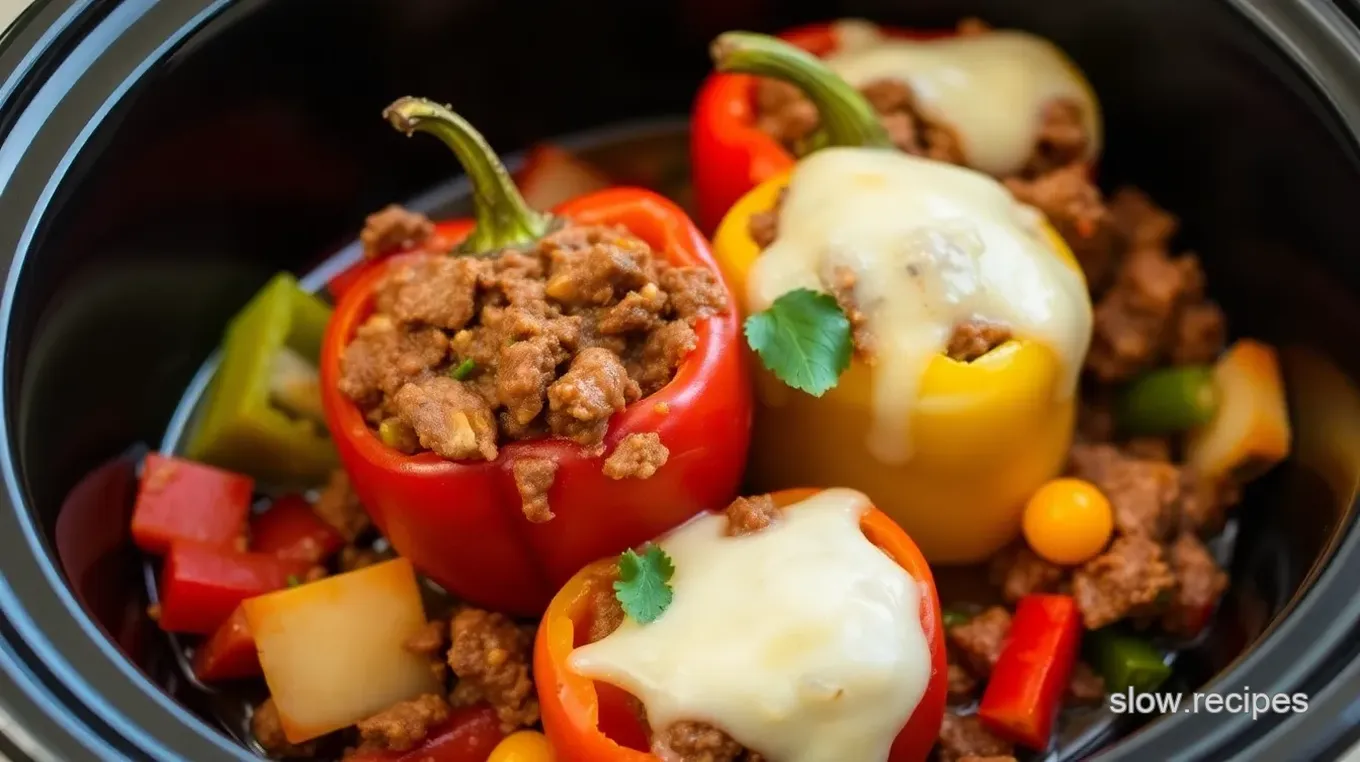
x,y
643,587
293,580
463,370
804,339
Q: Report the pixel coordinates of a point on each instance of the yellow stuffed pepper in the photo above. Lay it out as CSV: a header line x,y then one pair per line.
x,y
920,331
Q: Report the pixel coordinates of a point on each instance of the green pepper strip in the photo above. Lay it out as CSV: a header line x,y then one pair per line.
x,y
260,416
1126,661
1168,400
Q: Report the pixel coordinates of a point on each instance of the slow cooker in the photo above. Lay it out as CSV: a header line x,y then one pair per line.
x,y
160,160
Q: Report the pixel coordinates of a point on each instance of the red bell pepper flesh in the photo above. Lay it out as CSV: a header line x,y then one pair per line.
x,y
730,154
202,585
229,654
292,531
462,523
469,735
182,500
1030,678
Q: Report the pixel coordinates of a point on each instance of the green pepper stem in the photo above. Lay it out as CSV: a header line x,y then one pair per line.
x,y
846,116
504,219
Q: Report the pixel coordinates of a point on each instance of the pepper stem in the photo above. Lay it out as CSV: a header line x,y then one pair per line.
x,y
504,219
846,116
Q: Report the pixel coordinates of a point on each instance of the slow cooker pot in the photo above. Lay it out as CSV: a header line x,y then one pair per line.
x,y
161,159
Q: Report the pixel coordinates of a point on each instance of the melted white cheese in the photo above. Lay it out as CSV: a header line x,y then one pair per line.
x,y
990,88
931,246
802,641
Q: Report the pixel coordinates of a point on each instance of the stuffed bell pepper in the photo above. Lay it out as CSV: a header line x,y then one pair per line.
x,y
922,332
515,396
802,625
938,94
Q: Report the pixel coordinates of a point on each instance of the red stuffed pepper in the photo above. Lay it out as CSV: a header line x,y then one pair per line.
x,y
804,620
926,86
557,388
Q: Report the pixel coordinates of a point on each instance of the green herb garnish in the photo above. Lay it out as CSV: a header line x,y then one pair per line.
x,y
643,587
804,339
293,580
463,370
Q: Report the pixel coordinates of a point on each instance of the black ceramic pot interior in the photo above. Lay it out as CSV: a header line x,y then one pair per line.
x,y
256,146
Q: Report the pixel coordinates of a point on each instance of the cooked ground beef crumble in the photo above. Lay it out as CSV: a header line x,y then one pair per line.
x,y
492,658
638,456
403,726
463,354
533,478
785,114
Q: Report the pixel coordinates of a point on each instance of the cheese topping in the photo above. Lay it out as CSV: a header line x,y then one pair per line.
x,y
990,88
802,641
930,246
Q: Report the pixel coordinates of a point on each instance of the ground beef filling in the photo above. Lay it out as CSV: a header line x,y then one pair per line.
x,y
403,726
685,741
962,737
533,478
638,456
785,114
393,228
464,354
492,657
1156,568
978,641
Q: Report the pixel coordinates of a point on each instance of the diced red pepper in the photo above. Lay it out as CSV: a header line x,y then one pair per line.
x,y
469,735
230,653
202,585
182,500
291,530
1030,677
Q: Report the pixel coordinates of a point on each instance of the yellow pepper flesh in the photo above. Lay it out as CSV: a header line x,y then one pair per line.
x,y
984,434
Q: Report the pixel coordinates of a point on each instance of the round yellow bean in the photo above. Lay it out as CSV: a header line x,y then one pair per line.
x,y
1068,521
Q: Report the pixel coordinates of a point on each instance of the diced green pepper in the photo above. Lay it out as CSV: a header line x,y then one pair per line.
x,y
463,370
262,415
1126,661
1168,400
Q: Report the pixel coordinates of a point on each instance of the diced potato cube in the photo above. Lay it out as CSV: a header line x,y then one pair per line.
x,y
332,650
1250,432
